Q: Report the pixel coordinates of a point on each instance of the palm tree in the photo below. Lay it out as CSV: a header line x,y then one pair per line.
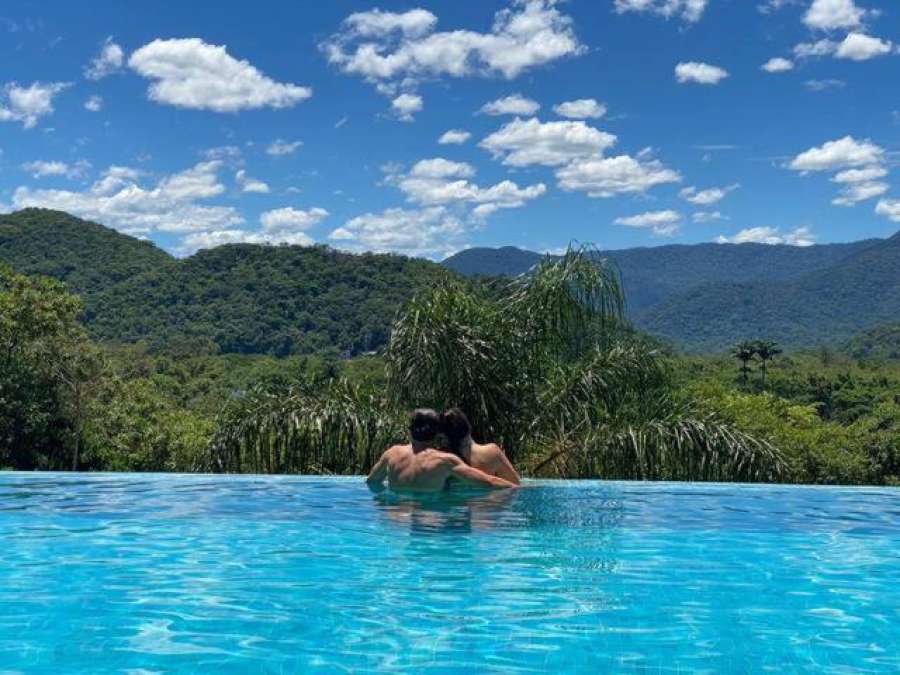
x,y
745,352
766,350
545,369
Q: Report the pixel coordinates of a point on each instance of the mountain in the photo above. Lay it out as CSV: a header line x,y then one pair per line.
x,y
243,298
86,256
880,343
653,275
827,305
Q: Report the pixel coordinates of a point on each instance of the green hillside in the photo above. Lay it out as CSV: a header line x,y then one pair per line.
x,y
237,298
880,343
827,306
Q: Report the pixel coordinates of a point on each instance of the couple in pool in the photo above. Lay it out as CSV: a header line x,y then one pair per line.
x,y
421,466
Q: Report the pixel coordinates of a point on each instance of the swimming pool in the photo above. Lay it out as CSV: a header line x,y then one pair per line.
x,y
172,573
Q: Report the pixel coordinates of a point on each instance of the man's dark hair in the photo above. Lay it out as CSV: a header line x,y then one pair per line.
x,y
424,425
456,427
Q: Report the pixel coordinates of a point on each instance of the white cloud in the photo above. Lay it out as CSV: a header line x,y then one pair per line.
x,y
94,104
41,169
689,10
454,137
662,223
607,177
580,109
778,65
248,184
279,148
387,48
863,175
28,104
407,105
200,240
854,193
289,219
843,153
889,208
511,105
107,62
801,236
706,197
439,181
700,73
118,200
854,47
833,14
529,142
824,85
707,216
190,73
430,231
861,47
377,23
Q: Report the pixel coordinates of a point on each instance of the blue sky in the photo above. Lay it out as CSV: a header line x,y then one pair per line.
x,y
618,122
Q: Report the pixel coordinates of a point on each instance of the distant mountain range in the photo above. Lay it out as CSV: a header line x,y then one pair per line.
x,y
292,299
707,297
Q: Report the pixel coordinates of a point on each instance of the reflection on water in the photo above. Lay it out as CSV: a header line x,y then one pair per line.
x,y
278,574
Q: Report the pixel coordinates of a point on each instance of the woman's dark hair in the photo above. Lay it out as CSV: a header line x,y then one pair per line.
x,y
424,425
456,427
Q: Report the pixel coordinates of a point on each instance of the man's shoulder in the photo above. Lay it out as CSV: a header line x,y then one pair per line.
x,y
397,450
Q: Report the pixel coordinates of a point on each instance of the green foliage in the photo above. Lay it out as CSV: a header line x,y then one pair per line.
x,y
545,370
881,343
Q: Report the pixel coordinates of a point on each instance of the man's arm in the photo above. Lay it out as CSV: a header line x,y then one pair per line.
x,y
379,472
504,468
471,476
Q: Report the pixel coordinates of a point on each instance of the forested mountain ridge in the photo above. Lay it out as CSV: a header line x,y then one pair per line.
x,y
239,298
652,275
826,306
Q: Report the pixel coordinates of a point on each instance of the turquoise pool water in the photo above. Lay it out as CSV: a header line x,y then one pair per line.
x,y
166,573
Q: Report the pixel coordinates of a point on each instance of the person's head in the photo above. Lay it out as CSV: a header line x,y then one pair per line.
x,y
424,425
456,427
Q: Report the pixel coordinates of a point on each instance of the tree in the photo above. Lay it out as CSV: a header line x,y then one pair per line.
x,y
745,352
766,350
79,368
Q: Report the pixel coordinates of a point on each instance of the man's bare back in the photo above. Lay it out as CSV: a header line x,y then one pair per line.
x,y
414,468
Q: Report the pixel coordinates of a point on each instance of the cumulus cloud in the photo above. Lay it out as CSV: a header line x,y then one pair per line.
x,y
689,10
119,201
390,49
607,177
889,208
289,219
279,148
839,154
248,184
407,105
859,165
511,105
801,236
28,104
529,142
829,15
778,65
661,223
581,109
706,197
454,137
854,47
108,61
94,104
41,169
432,231
189,73
699,73
438,181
